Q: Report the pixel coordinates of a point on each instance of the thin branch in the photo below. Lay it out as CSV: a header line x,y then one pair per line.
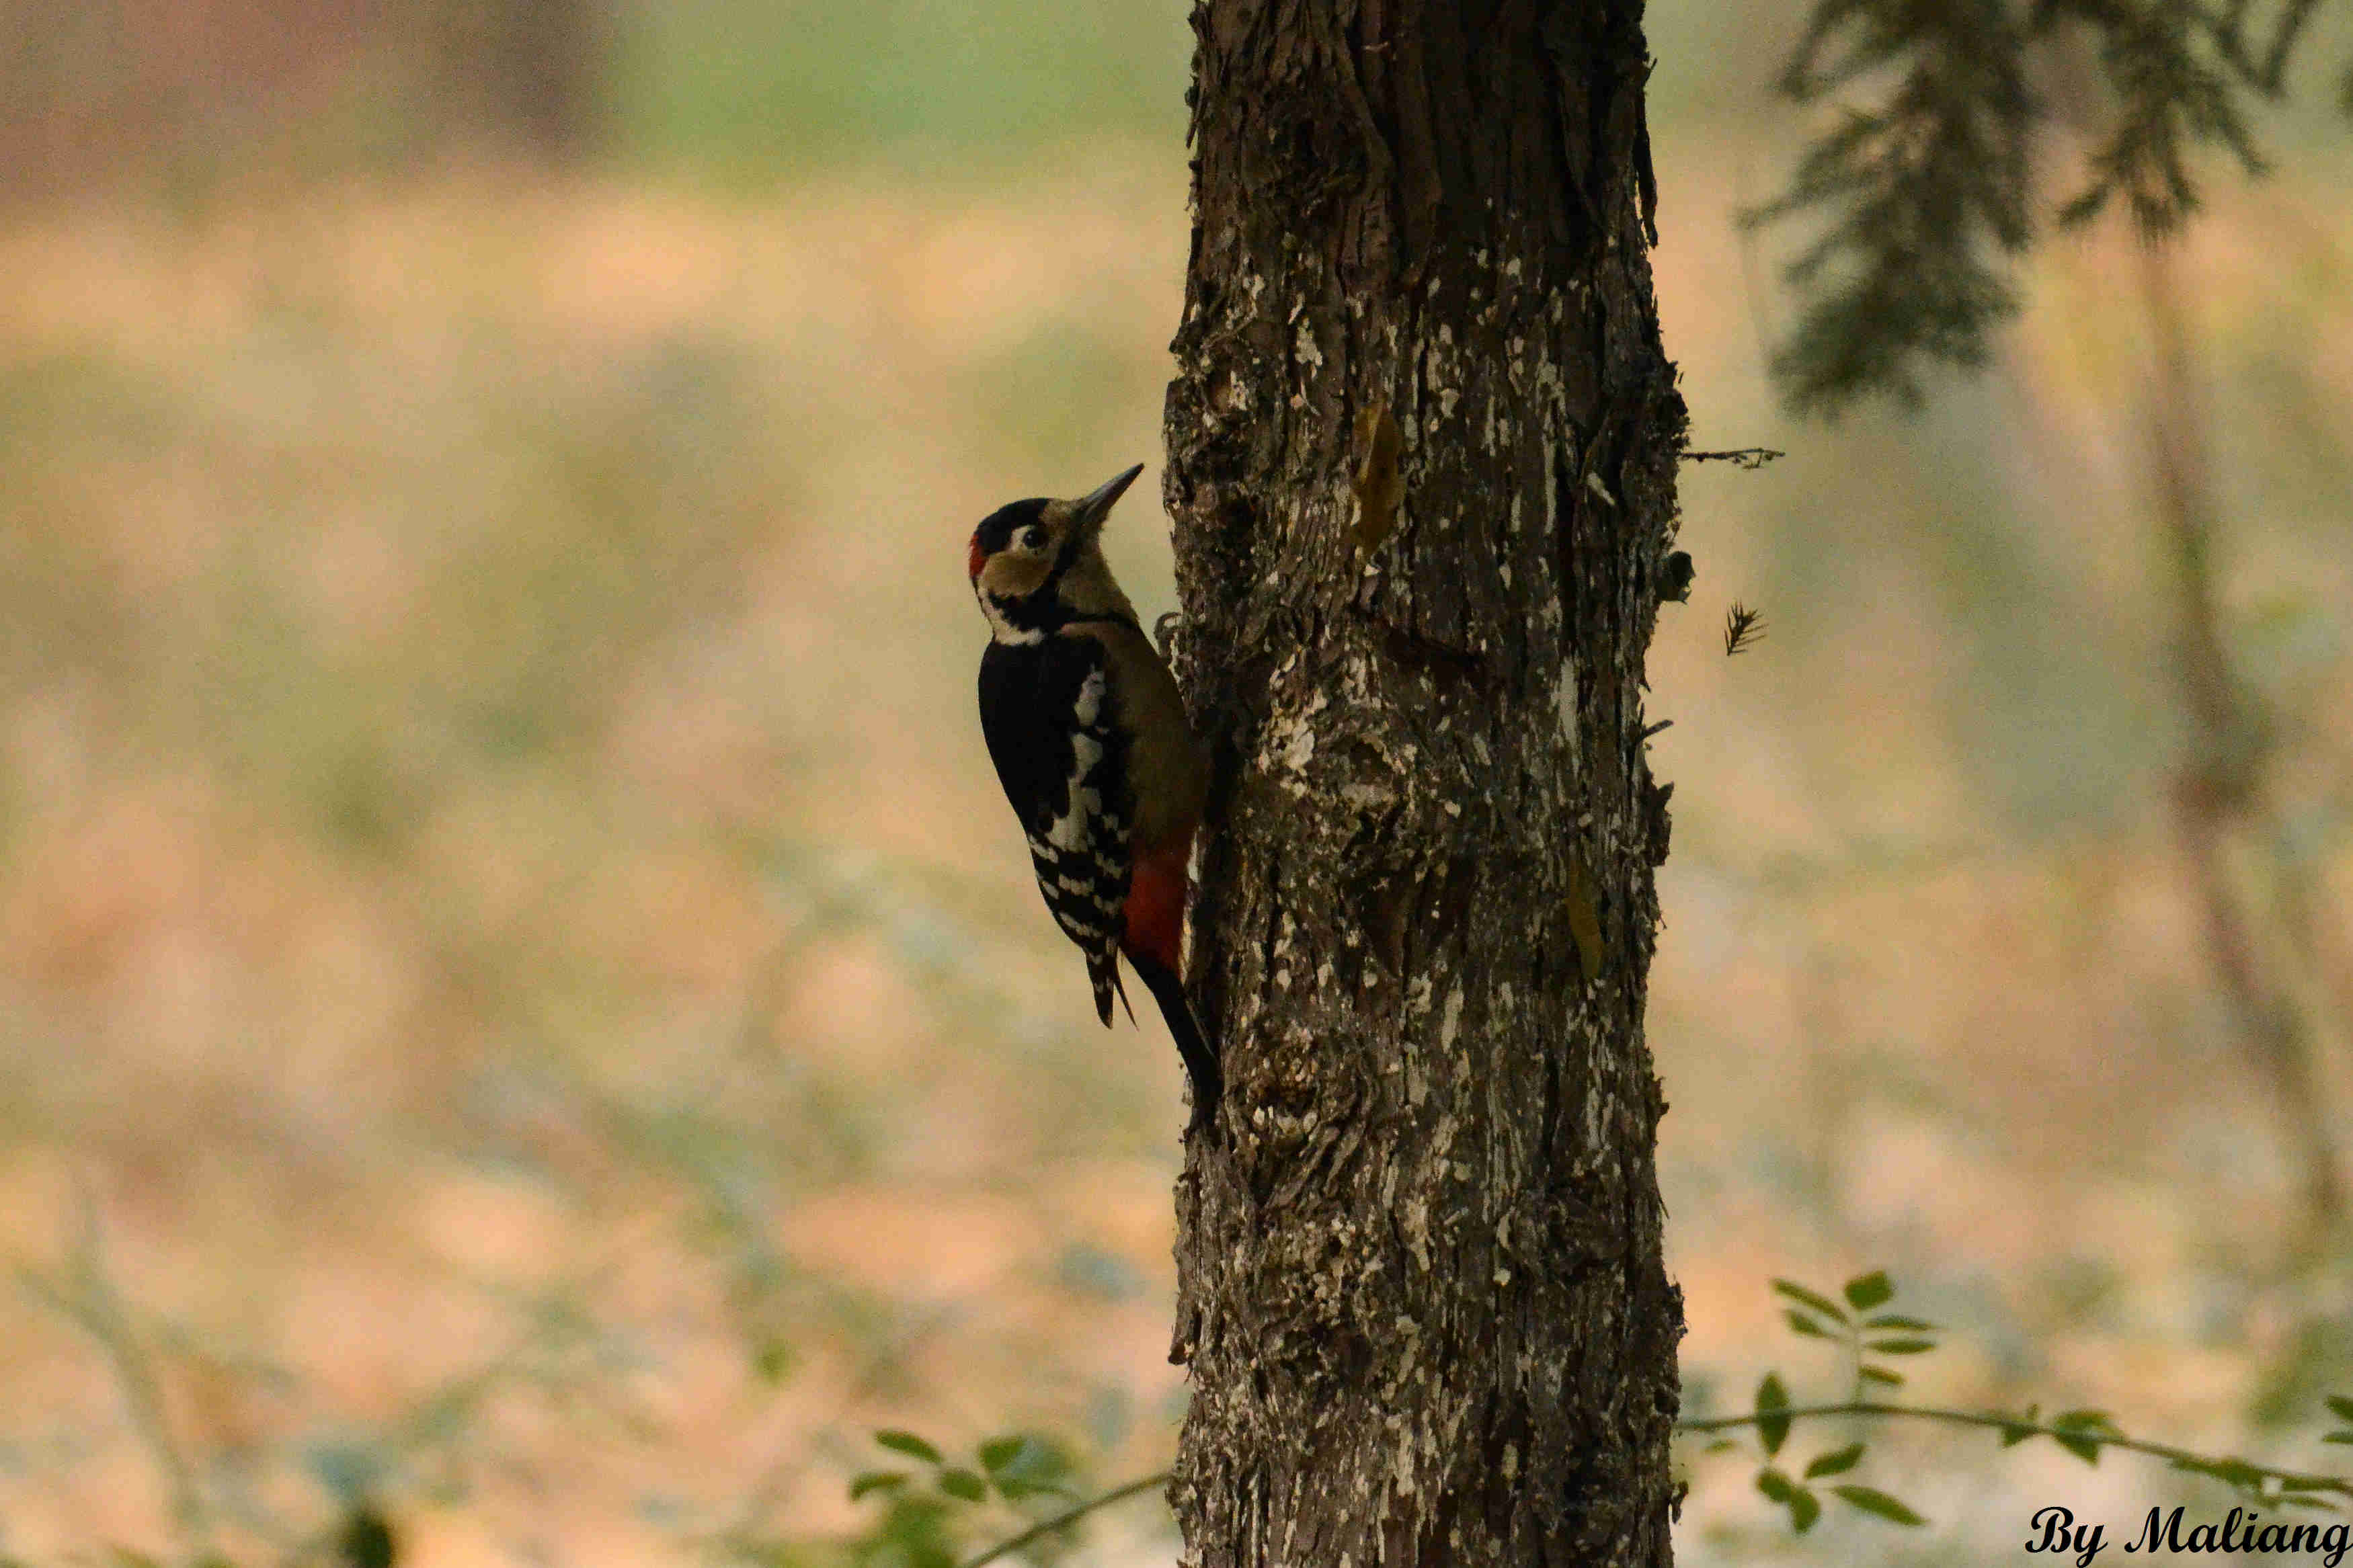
x,y
2013,1426
91,1300
1068,1516
2222,784
1746,457
2299,1482
2318,942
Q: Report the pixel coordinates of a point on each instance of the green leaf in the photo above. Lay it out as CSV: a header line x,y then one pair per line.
x,y
1814,1298
1871,1501
2338,1438
1024,1464
2011,1436
1900,1347
1881,1375
1720,1446
1898,1320
1865,1291
2070,1429
1772,1405
1800,1323
907,1443
1803,1506
2234,1472
913,1533
964,1485
1837,1462
876,1481
2084,1425
2342,1406
773,1361
1014,1491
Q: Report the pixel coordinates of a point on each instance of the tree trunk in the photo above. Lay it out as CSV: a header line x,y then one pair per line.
x,y
1422,446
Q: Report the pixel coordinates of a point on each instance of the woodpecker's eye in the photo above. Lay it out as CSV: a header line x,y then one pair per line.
x,y
1033,538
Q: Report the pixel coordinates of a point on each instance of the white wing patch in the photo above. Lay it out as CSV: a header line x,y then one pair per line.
x,y
1083,803
1081,855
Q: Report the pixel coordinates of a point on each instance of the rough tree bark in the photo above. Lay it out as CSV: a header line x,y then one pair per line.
x,y
1422,444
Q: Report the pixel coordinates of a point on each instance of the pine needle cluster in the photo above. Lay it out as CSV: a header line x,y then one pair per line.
x,y
1923,188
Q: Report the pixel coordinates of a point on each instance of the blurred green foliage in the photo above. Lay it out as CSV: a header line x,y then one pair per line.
x,y
745,90
189,103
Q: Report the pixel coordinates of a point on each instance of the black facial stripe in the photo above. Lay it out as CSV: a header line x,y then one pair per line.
x,y
1043,612
1064,558
997,529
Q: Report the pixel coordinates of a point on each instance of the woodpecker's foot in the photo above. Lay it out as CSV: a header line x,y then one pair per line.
x,y
1163,633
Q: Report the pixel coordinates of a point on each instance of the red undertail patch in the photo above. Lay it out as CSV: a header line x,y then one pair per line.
x,y
1156,905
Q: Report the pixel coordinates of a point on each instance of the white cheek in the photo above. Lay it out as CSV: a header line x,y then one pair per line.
x,y
1003,629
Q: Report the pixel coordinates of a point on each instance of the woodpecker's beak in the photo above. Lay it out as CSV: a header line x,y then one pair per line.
x,y
1089,511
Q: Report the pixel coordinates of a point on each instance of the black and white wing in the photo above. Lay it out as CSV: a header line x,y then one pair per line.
x,y
1046,709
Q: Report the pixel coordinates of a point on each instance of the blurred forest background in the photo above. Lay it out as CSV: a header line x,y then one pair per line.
x,y
520,1001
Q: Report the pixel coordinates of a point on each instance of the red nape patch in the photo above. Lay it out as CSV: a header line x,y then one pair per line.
x,y
973,556
1155,906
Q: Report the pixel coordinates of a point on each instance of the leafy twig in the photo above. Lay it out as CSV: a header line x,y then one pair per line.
x,y
1860,1324
2018,1429
1930,178
1858,1320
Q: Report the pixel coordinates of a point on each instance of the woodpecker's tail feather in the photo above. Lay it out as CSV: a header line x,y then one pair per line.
x,y
1102,973
1201,1061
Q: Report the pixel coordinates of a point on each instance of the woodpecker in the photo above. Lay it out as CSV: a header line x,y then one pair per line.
x,y
1091,745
